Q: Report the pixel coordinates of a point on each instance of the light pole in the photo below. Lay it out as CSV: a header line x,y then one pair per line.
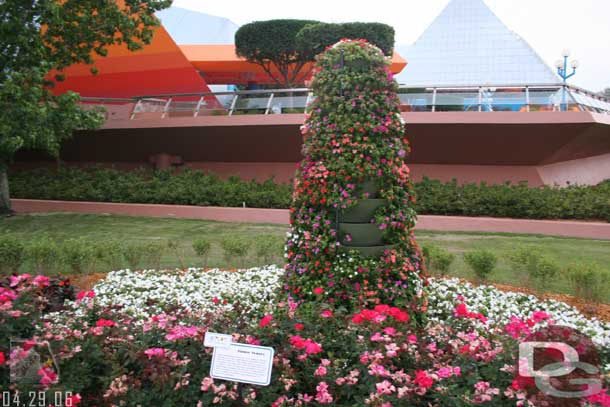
x,y
562,71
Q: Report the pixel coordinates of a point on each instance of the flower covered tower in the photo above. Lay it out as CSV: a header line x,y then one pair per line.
x,y
351,242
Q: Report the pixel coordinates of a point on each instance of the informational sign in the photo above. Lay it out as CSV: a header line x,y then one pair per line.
x,y
213,340
243,363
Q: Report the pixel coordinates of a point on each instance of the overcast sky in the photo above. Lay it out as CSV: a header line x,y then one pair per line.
x,y
549,26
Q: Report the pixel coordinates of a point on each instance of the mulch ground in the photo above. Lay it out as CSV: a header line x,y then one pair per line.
x,y
600,311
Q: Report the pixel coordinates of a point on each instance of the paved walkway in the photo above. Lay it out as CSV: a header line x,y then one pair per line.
x,y
591,230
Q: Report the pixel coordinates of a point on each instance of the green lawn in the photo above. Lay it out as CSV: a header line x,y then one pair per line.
x,y
141,229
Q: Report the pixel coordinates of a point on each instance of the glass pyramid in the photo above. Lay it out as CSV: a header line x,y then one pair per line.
x,y
192,27
467,44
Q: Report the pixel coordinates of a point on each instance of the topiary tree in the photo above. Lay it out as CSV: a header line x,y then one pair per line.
x,y
351,241
272,45
317,37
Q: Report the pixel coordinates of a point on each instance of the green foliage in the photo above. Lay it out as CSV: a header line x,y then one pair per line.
x,y
319,36
187,187
538,266
195,187
482,262
39,37
202,248
513,201
134,254
152,252
44,254
235,248
438,259
11,254
110,253
78,255
177,250
268,248
272,45
590,281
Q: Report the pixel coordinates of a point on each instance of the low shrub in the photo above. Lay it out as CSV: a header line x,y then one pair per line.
x,y
482,262
78,255
176,248
438,259
268,248
153,253
537,266
235,248
11,254
134,253
590,281
202,248
110,254
44,254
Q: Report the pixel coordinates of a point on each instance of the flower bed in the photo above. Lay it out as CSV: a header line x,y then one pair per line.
x,y
136,340
146,293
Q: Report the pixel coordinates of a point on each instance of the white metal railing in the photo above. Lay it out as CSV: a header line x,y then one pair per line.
x,y
484,98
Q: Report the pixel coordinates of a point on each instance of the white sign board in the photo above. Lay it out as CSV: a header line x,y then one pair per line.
x,y
212,340
243,363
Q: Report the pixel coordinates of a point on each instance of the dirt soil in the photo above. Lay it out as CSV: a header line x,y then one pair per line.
x,y
600,311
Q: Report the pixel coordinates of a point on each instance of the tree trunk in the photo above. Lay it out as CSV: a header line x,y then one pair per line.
x,y
5,201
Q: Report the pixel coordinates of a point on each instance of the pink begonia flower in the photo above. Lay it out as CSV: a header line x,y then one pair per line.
x,y
47,376
412,339
154,352
41,281
377,337
540,316
457,371
602,398
206,383
325,362
322,395
320,371
445,372
385,387
390,331
181,332
327,313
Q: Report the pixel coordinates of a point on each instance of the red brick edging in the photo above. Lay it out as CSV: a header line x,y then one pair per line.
x,y
591,230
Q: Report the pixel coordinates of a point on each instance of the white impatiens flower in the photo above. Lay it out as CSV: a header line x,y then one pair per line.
x,y
146,293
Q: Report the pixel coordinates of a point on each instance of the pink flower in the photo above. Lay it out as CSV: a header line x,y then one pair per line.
x,y
457,371
206,383
318,291
412,339
266,320
47,376
181,332
390,331
311,347
320,371
327,313
154,352
299,327
540,316
41,281
322,395
385,387
445,372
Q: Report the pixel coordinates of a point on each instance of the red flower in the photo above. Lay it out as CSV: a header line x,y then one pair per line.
x,y
2,358
83,294
215,300
73,401
318,291
266,320
299,327
327,313
105,322
422,379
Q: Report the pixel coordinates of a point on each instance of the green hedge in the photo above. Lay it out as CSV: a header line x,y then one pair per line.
x,y
187,187
194,187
